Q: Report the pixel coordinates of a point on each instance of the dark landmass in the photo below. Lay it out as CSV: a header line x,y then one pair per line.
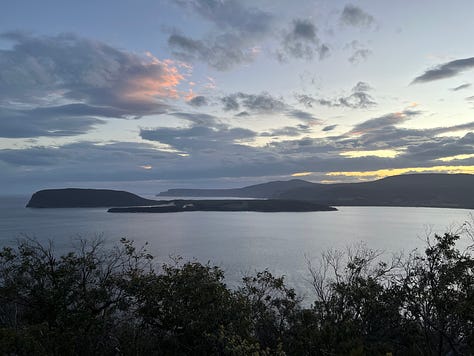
x,y
85,198
264,190
271,205
423,190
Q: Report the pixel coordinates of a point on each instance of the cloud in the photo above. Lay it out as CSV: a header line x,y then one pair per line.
x,y
67,120
260,103
358,99
461,87
230,14
197,137
65,85
441,147
359,52
361,87
238,32
306,100
359,55
196,118
383,122
240,28
354,16
329,128
230,102
219,151
290,131
82,161
242,114
263,103
198,101
446,70
303,115
301,41
415,146
221,52
84,70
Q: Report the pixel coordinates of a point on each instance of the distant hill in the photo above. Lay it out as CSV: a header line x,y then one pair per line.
x,y
428,190
85,198
264,190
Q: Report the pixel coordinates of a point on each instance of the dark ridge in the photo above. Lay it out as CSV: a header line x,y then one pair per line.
x,y
270,205
84,198
264,190
424,190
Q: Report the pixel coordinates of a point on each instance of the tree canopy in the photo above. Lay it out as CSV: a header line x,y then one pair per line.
x,y
99,300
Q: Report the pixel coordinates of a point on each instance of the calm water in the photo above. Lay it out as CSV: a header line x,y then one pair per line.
x,y
240,242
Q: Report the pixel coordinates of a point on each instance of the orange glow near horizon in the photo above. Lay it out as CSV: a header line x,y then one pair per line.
x,y
457,157
374,153
301,174
382,173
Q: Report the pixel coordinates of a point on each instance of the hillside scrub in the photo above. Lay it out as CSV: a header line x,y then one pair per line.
x,y
96,300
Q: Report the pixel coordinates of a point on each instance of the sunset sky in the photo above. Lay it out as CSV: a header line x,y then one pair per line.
x,y
149,95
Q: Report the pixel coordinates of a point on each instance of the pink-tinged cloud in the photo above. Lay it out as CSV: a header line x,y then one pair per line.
x,y
160,80
83,71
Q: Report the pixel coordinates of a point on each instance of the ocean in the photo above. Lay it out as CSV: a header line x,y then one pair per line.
x,y
239,242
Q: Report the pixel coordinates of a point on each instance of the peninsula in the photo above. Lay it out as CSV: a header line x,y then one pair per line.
x,y
423,190
267,206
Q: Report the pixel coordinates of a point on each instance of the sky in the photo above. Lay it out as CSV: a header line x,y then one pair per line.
x,y
150,95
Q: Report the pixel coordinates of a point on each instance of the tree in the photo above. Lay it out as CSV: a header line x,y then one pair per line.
x,y
98,300
438,295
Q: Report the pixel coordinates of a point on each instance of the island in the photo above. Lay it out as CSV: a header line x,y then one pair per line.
x,y
125,202
85,198
267,206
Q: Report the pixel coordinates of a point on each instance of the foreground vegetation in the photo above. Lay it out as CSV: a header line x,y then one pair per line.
x,y
117,301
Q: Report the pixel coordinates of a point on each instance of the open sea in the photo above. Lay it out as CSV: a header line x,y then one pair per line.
x,y
239,242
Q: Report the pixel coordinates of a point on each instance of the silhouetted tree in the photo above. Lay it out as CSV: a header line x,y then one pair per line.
x,y
117,301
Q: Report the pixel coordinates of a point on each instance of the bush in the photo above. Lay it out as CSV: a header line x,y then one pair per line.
x,y
108,301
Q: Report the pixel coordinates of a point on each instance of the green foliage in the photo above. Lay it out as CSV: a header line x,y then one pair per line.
x,y
116,301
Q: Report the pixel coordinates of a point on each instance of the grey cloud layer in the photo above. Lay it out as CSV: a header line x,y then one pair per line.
x,y
80,69
216,150
53,121
197,137
446,70
97,80
240,28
